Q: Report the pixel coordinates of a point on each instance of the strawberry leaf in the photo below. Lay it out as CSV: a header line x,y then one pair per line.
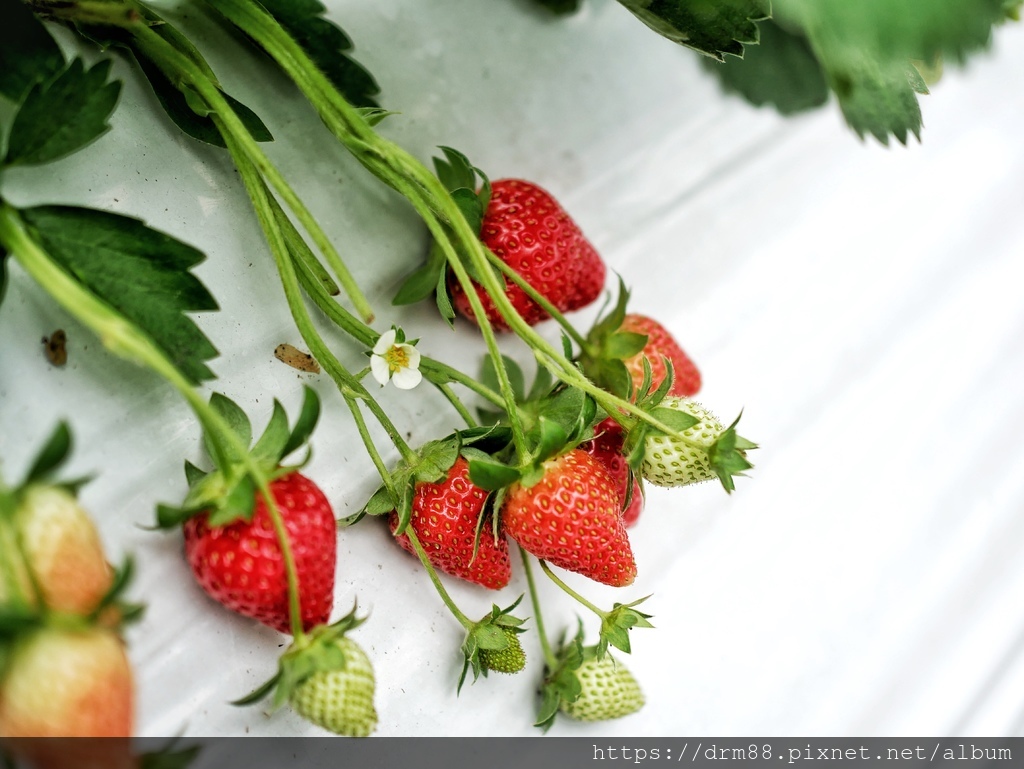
x,y
877,98
62,115
51,455
489,376
781,71
139,272
551,438
328,46
28,54
711,27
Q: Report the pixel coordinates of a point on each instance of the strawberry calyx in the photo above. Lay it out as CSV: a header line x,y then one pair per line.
x,y
608,347
315,652
561,684
228,492
470,189
429,464
492,644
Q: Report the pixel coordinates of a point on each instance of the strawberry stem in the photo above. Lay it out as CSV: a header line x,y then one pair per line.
x,y
183,71
465,621
569,591
549,656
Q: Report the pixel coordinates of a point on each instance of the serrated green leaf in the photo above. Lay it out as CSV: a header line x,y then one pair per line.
x,y
893,31
62,115
328,46
711,27
28,54
270,447
877,99
916,80
51,455
781,71
141,273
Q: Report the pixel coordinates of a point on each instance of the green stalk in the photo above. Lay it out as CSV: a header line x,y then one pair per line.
x,y
465,621
569,591
182,70
549,656
125,340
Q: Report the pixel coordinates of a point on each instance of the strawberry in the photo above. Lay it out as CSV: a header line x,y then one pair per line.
x,y
327,678
510,659
240,564
708,451
529,231
606,448
231,543
606,690
660,345
445,516
571,518
61,682
63,550
340,700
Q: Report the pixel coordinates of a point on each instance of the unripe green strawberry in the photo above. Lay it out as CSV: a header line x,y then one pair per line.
x,y
63,549
341,700
67,683
668,462
607,690
511,659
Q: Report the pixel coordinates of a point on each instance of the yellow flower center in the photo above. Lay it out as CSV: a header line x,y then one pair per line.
x,y
397,358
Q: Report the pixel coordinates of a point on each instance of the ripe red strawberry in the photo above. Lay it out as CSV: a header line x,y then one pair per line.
x,y
240,564
528,230
444,517
606,448
67,683
571,518
660,344
63,550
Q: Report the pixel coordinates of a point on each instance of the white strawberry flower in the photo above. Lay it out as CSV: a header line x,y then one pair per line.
x,y
397,361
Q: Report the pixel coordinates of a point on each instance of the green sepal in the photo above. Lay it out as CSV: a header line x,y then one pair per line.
x,y
270,446
488,473
28,53
315,653
193,474
607,347
423,281
561,683
237,421
436,459
727,456
552,439
309,415
615,626
674,419
62,115
51,456
488,635
380,503
516,378
128,612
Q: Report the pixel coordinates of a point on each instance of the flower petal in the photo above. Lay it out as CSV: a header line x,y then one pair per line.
x,y
407,378
380,370
413,354
386,342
